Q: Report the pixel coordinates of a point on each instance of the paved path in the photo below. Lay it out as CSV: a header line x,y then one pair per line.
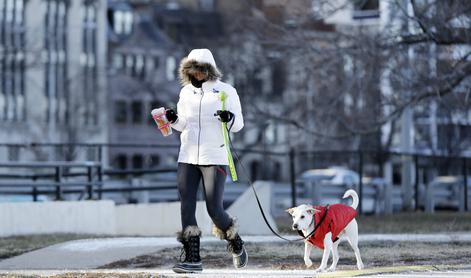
x,y
93,253
413,272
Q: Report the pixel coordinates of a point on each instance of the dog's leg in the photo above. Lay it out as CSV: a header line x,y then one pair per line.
x,y
307,254
352,235
335,256
327,248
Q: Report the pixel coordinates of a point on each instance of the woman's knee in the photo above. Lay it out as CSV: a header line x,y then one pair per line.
x,y
220,218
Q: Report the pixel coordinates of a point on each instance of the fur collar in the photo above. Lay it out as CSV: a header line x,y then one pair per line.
x,y
189,67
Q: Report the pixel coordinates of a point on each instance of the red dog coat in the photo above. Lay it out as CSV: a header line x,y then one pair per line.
x,y
337,218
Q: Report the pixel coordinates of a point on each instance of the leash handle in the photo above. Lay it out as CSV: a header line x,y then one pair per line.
x,y
225,134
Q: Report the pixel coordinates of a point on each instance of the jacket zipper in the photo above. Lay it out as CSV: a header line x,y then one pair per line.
x,y
199,126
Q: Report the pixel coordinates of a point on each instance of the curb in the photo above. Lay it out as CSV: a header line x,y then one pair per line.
x,y
392,270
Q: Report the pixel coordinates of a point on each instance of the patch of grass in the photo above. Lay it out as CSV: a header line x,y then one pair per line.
x,y
16,245
290,256
413,222
418,222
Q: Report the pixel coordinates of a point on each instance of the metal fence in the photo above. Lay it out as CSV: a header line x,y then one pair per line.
x,y
410,180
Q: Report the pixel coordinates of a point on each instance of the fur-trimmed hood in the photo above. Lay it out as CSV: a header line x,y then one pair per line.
x,y
198,60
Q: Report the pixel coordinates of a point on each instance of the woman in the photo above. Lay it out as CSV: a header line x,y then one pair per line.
x,y
203,155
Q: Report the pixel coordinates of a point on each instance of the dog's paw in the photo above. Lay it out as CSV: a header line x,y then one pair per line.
x,y
360,266
320,269
331,269
308,262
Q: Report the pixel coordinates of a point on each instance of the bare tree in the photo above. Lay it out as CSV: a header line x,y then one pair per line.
x,y
335,74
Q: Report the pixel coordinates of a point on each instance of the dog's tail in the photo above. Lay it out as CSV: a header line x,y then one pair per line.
x,y
354,195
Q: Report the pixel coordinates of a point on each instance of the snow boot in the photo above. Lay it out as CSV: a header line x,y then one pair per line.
x,y
235,245
190,238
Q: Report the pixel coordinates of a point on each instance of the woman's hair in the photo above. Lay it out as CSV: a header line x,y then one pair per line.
x,y
190,67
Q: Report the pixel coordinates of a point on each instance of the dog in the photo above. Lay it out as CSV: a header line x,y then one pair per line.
x,y
331,223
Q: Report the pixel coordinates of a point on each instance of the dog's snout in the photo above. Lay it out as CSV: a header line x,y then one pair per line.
x,y
295,226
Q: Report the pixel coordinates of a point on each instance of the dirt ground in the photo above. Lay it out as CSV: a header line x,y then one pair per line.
x,y
290,256
415,222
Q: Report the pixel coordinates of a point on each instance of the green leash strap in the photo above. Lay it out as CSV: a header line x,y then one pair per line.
x,y
226,140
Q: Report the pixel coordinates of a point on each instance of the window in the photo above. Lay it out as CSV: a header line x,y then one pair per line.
x,y
154,161
152,63
130,64
13,153
137,161
277,171
92,154
139,67
278,78
136,108
271,133
118,61
171,68
348,103
363,9
207,5
121,161
118,18
120,112
255,170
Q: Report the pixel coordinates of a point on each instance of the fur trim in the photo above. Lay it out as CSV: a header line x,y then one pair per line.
x,y
188,232
230,233
218,232
189,67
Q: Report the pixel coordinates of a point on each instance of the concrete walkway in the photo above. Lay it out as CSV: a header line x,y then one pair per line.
x,y
399,272
93,253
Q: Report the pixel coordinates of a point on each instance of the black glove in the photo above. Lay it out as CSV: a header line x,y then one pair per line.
x,y
171,115
225,116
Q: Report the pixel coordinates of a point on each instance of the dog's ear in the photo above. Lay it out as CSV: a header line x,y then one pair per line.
x,y
290,211
313,211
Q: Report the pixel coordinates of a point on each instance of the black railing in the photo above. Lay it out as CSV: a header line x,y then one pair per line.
x,y
294,163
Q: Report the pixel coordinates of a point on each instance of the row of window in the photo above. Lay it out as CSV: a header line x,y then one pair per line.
x,y
135,112
12,63
89,68
55,74
136,161
140,65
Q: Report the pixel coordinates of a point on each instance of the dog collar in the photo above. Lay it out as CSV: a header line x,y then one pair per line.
x,y
315,227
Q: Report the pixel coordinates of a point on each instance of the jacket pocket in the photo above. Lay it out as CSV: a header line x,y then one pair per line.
x,y
213,138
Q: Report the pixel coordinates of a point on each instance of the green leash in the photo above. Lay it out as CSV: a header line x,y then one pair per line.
x,y
232,168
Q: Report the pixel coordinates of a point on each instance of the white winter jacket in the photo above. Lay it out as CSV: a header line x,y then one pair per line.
x,y
202,141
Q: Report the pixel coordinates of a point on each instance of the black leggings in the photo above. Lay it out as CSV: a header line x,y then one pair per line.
x,y
214,177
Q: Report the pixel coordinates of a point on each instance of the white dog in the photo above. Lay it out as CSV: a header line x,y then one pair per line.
x,y
331,223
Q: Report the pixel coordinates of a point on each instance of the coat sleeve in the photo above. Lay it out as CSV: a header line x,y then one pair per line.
x,y
234,107
180,124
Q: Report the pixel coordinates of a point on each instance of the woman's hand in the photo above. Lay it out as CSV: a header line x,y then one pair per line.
x,y
171,115
224,116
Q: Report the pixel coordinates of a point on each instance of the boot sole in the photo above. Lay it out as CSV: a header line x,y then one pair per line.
x,y
244,265
186,270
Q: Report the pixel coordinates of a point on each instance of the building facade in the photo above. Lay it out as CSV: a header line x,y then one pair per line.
x,y
53,60
142,75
